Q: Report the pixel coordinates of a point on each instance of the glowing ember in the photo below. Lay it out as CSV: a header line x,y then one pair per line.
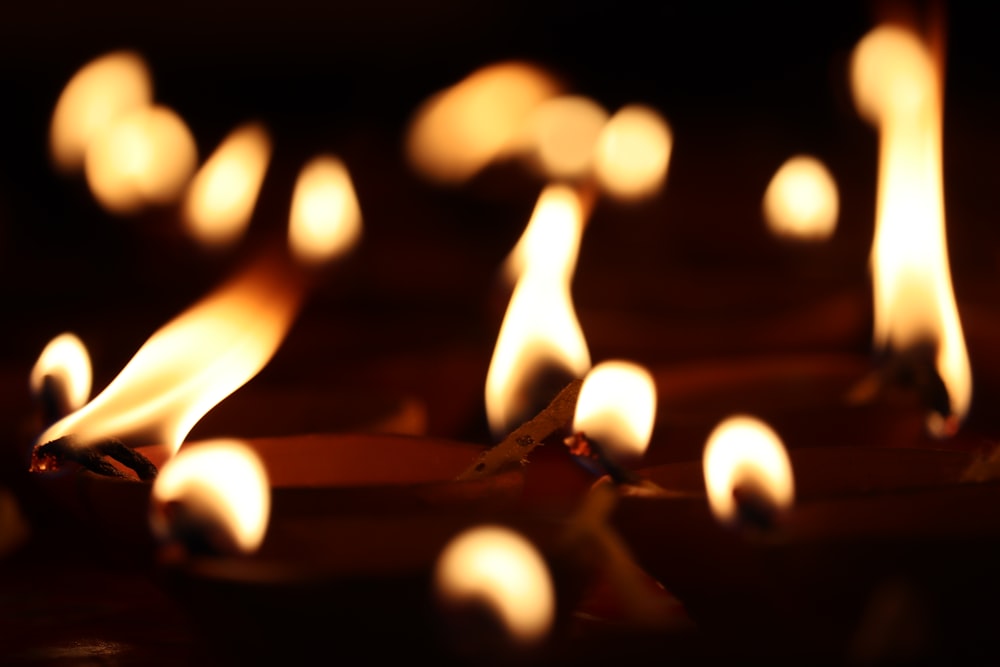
x,y
215,493
633,153
562,133
325,220
497,568
617,408
66,365
221,198
801,202
100,93
743,453
898,86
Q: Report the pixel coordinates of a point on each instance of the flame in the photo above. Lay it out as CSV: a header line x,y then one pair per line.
x,y
617,408
102,91
65,362
633,153
325,220
562,133
222,196
145,157
801,201
540,329
897,85
223,489
744,451
498,567
463,128
191,363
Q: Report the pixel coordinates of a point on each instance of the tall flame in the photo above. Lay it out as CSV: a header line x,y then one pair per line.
x,y
66,363
617,408
192,363
897,85
540,329
325,219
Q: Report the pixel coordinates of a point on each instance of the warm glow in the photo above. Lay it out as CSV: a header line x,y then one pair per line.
x,y
562,133
540,329
66,363
218,487
617,408
100,93
744,452
897,85
191,363
801,202
496,567
325,220
144,157
222,196
633,153
463,128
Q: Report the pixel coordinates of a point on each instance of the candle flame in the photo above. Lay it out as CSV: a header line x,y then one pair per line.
x,y
897,85
561,135
221,198
66,362
99,93
802,202
325,220
223,490
461,129
145,157
617,409
633,153
191,363
743,451
499,568
540,329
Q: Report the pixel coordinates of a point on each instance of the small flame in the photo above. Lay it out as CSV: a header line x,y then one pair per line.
x,y
192,363
461,129
540,329
218,487
743,451
802,202
325,220
562,133
633,153
897,85
145,157
65,362
99,94
617,408
222,196
496,566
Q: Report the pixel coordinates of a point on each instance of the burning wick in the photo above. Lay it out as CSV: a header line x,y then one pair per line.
x,y
61,378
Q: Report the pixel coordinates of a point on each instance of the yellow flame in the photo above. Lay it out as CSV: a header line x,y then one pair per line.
x,y
897,85
222,196
744,451
802,202
617,408
540,328
145,157
461,129
633,153
65,360
498,567
222,485
191,363
325,220
562,133
102,91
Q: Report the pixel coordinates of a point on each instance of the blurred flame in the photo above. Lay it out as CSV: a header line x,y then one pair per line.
x,y
100,93
633,152
222,196
801,201
145,157
66,362
562,133
617,408
191,363
463,128
223,488
325,220
897,85
744,451
498,567
540,328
